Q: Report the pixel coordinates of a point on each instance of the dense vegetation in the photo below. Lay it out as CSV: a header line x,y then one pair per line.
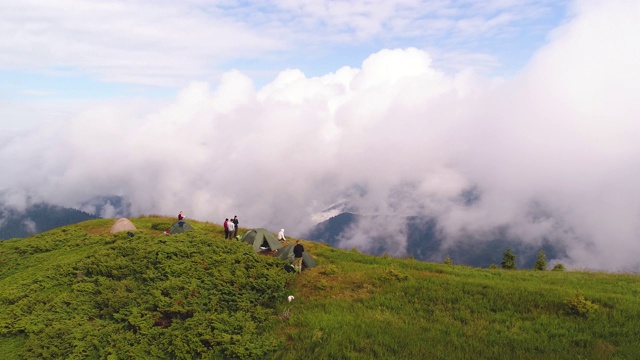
x,y
78,292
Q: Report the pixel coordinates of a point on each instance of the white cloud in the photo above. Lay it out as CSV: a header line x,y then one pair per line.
x,y
30,225
166,43
553,151
131,42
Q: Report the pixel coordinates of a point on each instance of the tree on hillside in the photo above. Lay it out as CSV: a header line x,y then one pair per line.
x,y
541,262
508,260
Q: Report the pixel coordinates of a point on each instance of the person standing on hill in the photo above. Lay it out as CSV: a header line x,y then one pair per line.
x,y
226,228
297,256
180,216
235,226
232,228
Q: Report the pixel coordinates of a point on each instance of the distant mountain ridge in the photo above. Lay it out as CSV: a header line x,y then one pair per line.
x,y
425,244
41,217
38,218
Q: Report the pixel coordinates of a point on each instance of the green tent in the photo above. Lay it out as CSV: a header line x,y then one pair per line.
x,y
261,240
286,253
180,227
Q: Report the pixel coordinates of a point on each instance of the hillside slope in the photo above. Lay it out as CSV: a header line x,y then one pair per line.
x,y
361,306
79,292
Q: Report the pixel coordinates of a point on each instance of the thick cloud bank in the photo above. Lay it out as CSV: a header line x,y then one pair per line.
x,y
552,153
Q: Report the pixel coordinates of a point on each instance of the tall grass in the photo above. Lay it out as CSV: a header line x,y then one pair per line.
x,y
373,307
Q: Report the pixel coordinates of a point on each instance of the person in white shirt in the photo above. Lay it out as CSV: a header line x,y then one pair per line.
x,y
281,235
232,228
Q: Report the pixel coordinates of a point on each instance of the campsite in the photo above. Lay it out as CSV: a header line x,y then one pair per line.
x,y
80,291
261,240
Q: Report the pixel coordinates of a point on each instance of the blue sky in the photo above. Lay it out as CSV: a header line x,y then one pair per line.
x,y
78,50
206,105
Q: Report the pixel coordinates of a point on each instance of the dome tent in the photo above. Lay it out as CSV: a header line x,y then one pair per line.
x,y
261,239
180,227
286,253
122,224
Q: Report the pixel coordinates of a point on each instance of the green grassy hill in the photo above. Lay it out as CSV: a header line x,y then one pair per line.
x,y
78,292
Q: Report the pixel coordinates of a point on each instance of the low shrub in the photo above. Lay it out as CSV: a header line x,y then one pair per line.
x,y
579,306
393,274
161,226
330,270
322,285
558,267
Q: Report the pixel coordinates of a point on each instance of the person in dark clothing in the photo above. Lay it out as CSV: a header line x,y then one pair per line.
x,y
180,216
226,228
235,222
297,256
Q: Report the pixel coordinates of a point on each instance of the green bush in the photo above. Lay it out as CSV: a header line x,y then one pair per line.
x,y
447,260
393,274
579,306
330,270
161,226
321,285
558,267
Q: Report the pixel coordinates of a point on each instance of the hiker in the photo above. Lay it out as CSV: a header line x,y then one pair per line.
x,y
281,235
232,229
235,226
226,228
297,259
180,216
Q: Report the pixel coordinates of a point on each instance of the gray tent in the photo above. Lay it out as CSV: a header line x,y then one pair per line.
x,y
122,224
286,253
180,227
261,240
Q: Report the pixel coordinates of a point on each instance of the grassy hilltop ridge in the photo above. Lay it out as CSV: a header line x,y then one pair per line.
x,y
78,292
